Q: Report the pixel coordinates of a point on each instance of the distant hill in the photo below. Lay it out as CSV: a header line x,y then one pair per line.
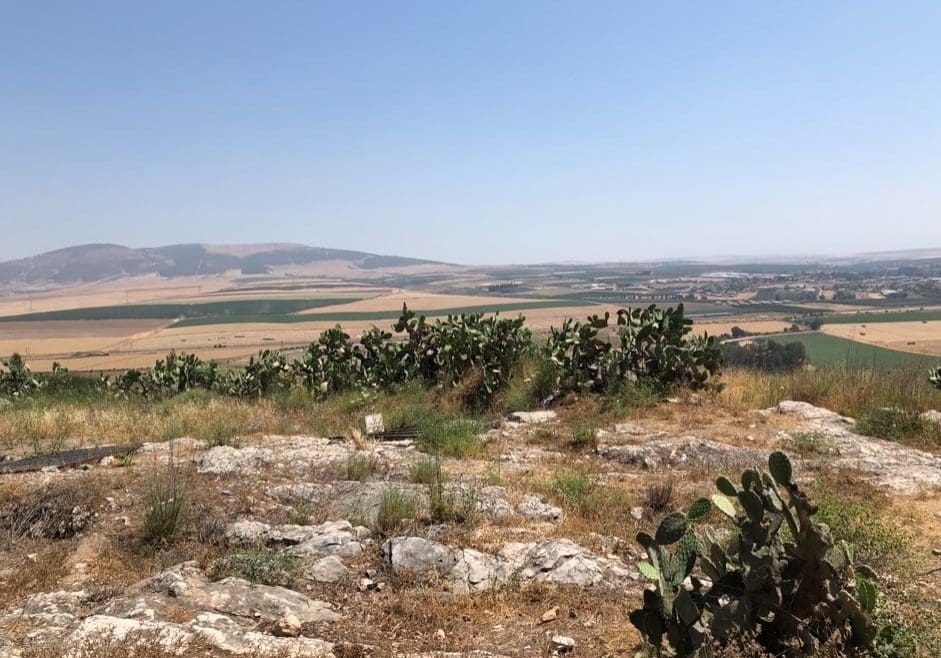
x,y
95,262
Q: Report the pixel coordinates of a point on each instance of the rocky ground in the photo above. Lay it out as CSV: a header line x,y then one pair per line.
x,y
525,550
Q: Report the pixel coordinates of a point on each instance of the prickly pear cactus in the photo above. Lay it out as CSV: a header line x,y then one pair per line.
x,y
672,610
778,576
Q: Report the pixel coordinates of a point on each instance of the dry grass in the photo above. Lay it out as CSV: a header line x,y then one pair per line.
x,y
846,390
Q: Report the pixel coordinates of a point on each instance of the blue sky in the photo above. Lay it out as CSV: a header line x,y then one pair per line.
x,y
476,132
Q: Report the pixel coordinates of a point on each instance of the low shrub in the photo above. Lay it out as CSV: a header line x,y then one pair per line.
x,y
261,566
573,488
808,441
57,511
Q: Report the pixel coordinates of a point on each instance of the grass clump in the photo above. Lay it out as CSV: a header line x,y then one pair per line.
x,y
395,507
301,514
359,467
453,506
808,442
583,437
890,423
164,506
574,489
858,519
261,566
657,497
219,431
426,471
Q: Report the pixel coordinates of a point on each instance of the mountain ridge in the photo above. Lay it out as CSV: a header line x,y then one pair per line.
x,y
99,261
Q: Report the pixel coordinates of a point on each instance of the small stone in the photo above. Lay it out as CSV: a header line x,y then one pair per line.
x,y
932,416
439,635
107,461
550,614
562,643
637,513
329,569
366,584
936,551
288,626
374,424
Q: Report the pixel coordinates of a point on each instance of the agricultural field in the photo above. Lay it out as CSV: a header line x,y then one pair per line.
x,y
129,324
824,349
867,317
717,327
921,337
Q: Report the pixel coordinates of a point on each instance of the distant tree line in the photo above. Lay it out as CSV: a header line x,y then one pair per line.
x,y
765,355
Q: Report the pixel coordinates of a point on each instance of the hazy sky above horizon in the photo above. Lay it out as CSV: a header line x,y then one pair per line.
x,y
475,132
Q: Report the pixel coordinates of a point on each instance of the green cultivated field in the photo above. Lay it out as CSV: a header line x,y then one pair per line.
x,y
202,310
368,316
882,316
823,349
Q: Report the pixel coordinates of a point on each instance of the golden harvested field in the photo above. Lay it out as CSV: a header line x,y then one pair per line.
x,y
724,326
128,290
45,342
89,345
918,337
424,301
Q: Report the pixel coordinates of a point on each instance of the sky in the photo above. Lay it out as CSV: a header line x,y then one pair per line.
x,y
473,132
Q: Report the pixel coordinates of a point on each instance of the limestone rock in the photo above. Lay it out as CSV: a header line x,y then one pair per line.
x,y
534,507
931,416
559,561
226,460
329,569
808,411
533,417
887,464
224,615
682,452
312,541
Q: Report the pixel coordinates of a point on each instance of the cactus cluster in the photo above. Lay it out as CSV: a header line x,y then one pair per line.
x,y
16,380
442,353
778,577
480,353
650,343
934,376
